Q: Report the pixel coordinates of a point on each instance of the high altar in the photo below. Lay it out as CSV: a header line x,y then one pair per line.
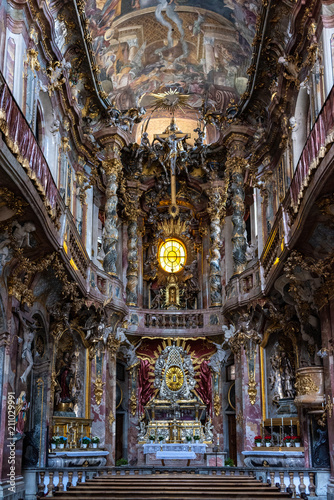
x,y
176,415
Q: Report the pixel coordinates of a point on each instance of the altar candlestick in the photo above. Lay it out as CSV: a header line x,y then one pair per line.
x,y
282,422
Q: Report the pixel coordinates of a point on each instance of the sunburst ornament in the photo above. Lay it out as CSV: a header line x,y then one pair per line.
x,y
170,101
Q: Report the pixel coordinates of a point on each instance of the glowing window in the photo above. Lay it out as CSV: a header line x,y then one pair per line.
x,y
172,256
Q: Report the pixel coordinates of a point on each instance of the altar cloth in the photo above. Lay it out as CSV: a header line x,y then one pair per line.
x,y
175,447
175,455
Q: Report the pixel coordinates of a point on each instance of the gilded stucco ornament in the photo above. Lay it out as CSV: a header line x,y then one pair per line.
x,y
133,403
98,390
111,418
217,404
305,385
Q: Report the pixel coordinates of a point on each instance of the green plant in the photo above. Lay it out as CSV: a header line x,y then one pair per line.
x,y
85,440
188,438
196,438
121,461
62,440
152,438
55,440
96,440
161,438
229,462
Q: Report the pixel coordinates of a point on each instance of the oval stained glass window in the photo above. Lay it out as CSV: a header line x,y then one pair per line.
x,y
172,255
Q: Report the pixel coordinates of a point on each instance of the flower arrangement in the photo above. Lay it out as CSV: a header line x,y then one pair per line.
x,y
95,440
295,438
287,439
196,438
258,439
188,438
55,440
160,438
85,440
62,439
267,438
151,437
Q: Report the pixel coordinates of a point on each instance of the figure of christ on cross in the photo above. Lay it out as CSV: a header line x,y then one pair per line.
x,y
171,140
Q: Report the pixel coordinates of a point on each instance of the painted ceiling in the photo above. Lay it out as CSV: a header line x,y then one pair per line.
x,y
201,47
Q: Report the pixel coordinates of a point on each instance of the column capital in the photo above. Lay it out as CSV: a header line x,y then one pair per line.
x,y
112,166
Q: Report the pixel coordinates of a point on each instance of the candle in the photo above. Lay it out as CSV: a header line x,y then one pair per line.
x,y
82,429
217,440
291,422
271,422
282,422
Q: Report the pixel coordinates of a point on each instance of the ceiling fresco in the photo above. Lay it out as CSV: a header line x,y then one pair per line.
x,y
200,47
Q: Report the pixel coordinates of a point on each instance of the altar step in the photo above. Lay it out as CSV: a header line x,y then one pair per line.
x,y
172,487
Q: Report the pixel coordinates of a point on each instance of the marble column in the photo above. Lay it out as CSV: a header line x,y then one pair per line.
x,y
110,423
217,194
237,166
112,168
209,47
133,48
327,334
132,212
248,404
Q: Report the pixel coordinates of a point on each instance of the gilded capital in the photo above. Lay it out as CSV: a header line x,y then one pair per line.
x,y
236,164
112,166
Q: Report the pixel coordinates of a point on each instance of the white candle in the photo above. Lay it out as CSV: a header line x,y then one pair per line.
x,y
282,422
291,422
271,422
217,440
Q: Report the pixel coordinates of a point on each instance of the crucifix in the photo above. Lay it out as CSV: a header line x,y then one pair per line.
x,y
171,140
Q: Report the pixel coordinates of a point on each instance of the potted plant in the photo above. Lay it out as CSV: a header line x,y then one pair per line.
x,y
229,462
152,438
196,438
121,461
54,442
62,441
296,441
188,438
95,441
258,441
267,440
85,442
287,441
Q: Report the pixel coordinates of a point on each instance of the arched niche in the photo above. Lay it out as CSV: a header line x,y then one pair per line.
x,y
70,374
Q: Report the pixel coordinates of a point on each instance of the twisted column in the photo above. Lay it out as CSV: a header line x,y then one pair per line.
x,y
112,168
216,209
132,212
237,166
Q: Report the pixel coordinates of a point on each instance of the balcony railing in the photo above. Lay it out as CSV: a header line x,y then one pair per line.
x,y
45,482
321,136
21,141
158,322
244,287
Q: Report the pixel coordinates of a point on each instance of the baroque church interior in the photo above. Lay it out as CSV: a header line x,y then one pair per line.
x,y
166,249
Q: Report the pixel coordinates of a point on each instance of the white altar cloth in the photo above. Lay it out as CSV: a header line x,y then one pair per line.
x,y
175,447
175,455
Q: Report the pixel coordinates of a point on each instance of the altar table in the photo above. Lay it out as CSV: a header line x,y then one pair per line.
x,y
174,451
